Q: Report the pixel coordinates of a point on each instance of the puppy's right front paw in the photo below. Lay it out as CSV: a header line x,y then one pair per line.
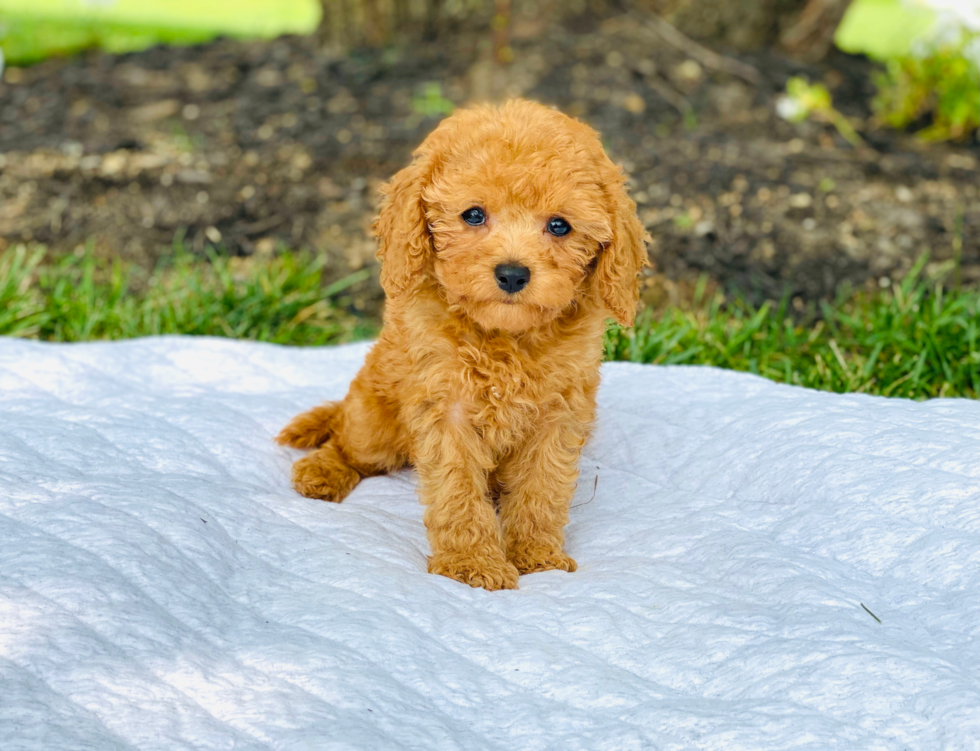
x,y
491,573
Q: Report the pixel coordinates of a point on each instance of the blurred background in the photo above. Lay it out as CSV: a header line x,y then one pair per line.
x,y
778,149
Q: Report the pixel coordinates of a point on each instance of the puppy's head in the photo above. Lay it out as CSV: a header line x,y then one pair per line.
x,y
517,213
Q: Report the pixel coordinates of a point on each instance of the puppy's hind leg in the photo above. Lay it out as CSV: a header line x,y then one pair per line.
x,y
355,438
325,474
322,473
312,428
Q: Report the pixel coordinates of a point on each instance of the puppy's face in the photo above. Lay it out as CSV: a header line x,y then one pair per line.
x,y
514,231
517,213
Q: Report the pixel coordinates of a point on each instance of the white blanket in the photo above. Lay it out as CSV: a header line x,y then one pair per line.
x,y
162,587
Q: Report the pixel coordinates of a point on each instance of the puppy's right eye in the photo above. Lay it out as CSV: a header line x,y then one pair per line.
x,y
474,216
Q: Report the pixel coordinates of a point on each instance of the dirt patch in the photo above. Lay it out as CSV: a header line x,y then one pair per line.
x,y
254,146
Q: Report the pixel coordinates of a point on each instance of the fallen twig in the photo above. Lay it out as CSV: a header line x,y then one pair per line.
x,y
708,58
674,98
870,613
594,488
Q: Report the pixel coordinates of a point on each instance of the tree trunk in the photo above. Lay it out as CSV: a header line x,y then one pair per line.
x,y
374,23
811,35
803,28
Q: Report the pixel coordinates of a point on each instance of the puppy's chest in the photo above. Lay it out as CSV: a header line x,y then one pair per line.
x,y
508,392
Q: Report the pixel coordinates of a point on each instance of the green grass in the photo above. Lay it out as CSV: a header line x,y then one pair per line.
x,y
79,299
917,339
27,40
31,30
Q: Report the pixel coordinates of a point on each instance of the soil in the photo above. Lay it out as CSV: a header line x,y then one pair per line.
x,y
251,147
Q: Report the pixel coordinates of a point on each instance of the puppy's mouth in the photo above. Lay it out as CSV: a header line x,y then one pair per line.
x,y
514,310
508,302
526,307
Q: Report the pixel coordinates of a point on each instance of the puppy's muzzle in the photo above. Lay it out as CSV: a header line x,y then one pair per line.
x,y
512,278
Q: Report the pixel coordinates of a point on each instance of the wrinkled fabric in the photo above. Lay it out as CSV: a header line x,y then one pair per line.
x,y
163,587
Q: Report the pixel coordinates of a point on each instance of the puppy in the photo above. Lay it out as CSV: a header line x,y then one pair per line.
x,y
505,245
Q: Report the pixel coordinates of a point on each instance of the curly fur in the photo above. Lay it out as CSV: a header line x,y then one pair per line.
x,y
490,396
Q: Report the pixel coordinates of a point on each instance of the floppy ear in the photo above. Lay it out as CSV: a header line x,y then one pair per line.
x,y
404,242
622,258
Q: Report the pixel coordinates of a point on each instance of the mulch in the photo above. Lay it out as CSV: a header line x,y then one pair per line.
x,y
251,147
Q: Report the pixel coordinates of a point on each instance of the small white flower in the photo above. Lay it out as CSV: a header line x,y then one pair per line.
x,y
790,108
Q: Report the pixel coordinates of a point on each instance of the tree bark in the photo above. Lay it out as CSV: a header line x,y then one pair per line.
x,y
374,23
811,35
802,28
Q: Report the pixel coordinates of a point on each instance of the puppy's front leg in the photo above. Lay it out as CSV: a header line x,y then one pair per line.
x,y
538,482
453,465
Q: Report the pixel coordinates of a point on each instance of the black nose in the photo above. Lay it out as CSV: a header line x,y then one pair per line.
x,y
512,278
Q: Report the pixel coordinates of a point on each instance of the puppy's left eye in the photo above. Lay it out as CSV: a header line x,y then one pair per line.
x,y
558,226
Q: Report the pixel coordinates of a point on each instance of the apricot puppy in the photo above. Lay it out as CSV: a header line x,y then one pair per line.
x,y
505,245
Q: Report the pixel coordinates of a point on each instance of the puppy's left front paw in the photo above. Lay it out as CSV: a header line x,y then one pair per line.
x,y
529,558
